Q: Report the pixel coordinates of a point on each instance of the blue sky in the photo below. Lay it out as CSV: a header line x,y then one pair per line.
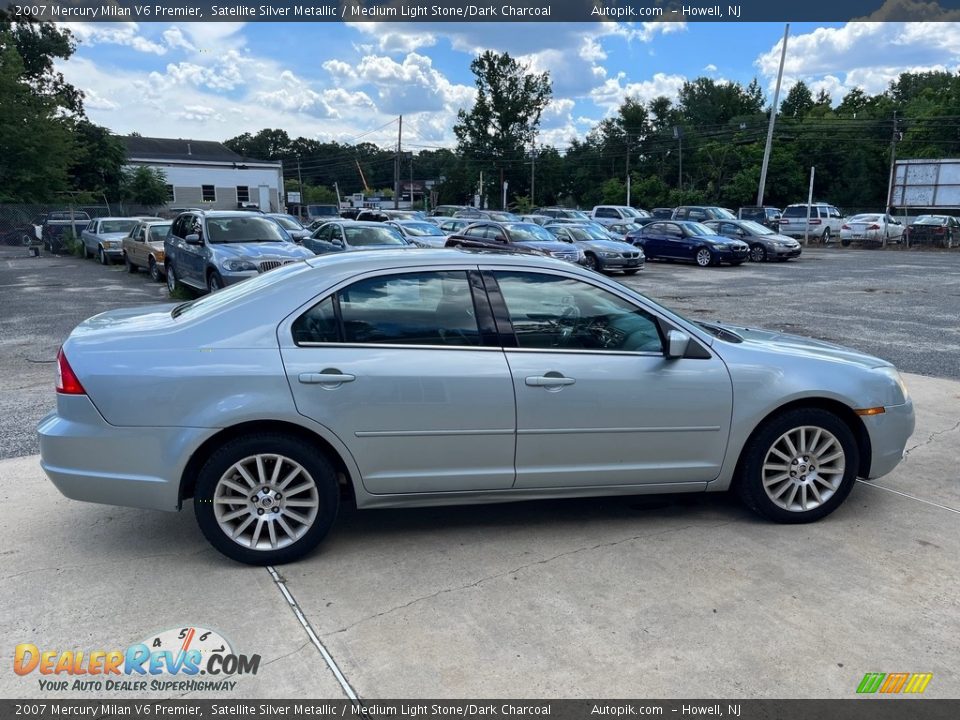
x,y
344,82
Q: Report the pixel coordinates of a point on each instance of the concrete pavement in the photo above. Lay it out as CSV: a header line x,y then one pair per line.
x,y
659,597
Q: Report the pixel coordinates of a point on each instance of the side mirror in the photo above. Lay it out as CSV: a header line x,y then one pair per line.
x,y
677,343
193,239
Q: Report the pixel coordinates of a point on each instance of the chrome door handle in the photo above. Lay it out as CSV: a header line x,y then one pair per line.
x,y
548,381
326,377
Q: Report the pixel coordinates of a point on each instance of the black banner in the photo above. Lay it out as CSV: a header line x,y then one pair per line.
x,y
480,11
873,708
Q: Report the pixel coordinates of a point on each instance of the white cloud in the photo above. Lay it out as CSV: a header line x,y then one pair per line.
x,y
395,37
198,112
614,91
867,55
127,34
95,101
710,68
174,38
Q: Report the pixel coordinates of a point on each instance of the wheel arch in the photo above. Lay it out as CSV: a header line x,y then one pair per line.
x,y
188,479
842,411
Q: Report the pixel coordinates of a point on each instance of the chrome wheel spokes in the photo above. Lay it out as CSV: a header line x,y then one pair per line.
x,y
803,468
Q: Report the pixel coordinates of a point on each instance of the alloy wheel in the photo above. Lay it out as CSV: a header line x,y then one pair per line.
x,y
803,468
704,258
758,253
266,502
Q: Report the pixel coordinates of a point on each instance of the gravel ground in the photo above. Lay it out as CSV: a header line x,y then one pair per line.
x,y
901,305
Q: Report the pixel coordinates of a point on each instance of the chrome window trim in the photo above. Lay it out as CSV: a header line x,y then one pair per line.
x,y
398,346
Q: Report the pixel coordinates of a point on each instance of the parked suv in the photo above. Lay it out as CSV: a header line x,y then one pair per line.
x,y
699,213
208,250
613,214
825,221
767,216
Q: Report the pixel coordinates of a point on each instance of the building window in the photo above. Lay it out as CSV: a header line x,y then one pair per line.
x,y
171,195
209,193
243,193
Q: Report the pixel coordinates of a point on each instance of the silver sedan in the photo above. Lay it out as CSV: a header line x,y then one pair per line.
x,y
431,377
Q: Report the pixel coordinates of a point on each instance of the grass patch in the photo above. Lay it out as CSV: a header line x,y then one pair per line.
x,y
181,293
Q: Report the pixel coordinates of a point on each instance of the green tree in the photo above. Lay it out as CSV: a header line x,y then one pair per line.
x,y
503,122
798,103
144,186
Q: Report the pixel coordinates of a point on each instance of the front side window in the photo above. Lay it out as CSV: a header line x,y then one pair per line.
x,y
549,312
423,308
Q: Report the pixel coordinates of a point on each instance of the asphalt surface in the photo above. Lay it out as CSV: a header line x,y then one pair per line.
x,y
901,305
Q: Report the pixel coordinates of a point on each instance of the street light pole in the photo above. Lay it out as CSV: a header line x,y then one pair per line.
x,y
773,119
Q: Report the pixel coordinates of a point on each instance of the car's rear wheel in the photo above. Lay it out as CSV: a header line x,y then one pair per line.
x,y
704,257
758,253
131,268
84,251
825,238
266,499
799,466
155,274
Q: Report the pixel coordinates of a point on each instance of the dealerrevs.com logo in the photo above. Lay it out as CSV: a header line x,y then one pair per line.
x,y
173,660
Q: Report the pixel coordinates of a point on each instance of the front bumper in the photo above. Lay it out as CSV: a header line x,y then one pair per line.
x,y
88,459
889,433
731,255
112,251
621,263
779,252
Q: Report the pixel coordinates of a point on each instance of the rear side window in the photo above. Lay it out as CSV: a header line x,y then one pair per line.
x,y
424,308
607,213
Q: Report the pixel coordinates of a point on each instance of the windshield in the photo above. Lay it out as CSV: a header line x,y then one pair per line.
x,y
756,228
724,214
159,232
422,229
696,228
865,219
288,222
372,236
528,232
243,229
630,212
116,226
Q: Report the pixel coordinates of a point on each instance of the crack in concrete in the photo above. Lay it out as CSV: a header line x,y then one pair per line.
x,y
292,652
521,568
930,438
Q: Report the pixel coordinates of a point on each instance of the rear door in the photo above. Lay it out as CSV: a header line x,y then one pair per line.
x,y
406,369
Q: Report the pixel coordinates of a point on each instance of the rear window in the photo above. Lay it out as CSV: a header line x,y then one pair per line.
x,y
799,211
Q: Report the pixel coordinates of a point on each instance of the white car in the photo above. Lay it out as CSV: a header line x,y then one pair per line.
x,y
609,214
825,222
871,227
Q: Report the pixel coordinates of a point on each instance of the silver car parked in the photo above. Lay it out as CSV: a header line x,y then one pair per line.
x,y
213,249
103,237
433,377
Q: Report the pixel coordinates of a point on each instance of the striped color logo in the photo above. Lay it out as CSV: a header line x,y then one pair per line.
x,y
893,683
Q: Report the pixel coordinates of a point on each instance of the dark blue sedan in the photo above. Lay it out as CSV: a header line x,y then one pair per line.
x,y
691,241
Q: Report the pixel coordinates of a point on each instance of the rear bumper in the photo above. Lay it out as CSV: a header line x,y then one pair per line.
x,y
889,433
90,460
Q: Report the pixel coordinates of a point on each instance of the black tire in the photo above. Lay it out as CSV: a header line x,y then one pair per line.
x,y
214,281
825,238
84,252
758,253
173,284
591,262
631,271
750,481
102,256
131,268
845,242
318,470
154,269
703,257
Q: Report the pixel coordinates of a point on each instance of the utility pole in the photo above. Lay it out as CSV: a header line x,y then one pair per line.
x,y
773,119
396,167
678,134
533,175
300,181
897,135
411,181
628,169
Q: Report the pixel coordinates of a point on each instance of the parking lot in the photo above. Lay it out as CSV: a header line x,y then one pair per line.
x,y
643,597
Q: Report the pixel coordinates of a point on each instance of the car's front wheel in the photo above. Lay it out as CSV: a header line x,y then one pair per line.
x,y
826,236
590,261
266,499
102,256
704,257
155,274
758,253
799,466
214,281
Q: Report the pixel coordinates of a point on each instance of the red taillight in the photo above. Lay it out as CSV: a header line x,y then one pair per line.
x,y
844,227
814,222
940,230
874,227
67,382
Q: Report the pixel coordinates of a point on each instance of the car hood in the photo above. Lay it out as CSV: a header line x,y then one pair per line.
x,y
723,240
797,345
549,246
607,245
112,236
260,250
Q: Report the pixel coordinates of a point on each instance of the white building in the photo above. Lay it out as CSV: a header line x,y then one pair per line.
x,y
209,175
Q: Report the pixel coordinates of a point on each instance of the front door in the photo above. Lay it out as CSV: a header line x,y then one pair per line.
x,y
598,403
397,366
